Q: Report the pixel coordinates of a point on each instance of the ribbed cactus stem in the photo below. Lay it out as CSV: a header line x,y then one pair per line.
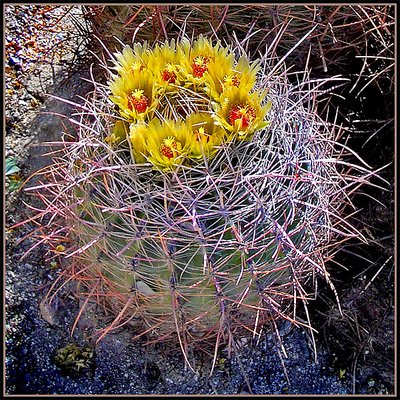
x,y
210,248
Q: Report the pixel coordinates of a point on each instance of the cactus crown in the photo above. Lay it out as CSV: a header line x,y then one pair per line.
x,y
181,102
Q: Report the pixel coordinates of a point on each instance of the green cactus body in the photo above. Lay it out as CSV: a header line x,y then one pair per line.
x,y
197,255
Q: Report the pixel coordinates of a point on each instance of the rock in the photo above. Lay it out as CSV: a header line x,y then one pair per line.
x,y
48,311
15,62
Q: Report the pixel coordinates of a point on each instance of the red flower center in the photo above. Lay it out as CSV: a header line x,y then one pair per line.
x,y
168,76
245,114
232,80
199,65
169,147
138,101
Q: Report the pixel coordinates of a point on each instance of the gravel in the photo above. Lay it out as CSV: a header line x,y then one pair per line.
x,y
42,45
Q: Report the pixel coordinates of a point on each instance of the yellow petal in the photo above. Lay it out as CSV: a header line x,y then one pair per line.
x,y
138,134
206,136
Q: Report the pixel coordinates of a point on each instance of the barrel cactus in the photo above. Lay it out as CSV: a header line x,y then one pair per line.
x,y
201,197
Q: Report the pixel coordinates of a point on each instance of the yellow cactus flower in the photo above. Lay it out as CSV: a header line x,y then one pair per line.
x,y
134,95
197,58
241,112
165,63
166,144
224,76
130,60
206,135
118,133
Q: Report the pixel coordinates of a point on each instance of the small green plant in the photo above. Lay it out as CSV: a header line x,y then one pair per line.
x,y
13,174
74,359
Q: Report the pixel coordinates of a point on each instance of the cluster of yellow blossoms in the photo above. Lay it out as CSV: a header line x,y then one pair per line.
x,y
180,102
